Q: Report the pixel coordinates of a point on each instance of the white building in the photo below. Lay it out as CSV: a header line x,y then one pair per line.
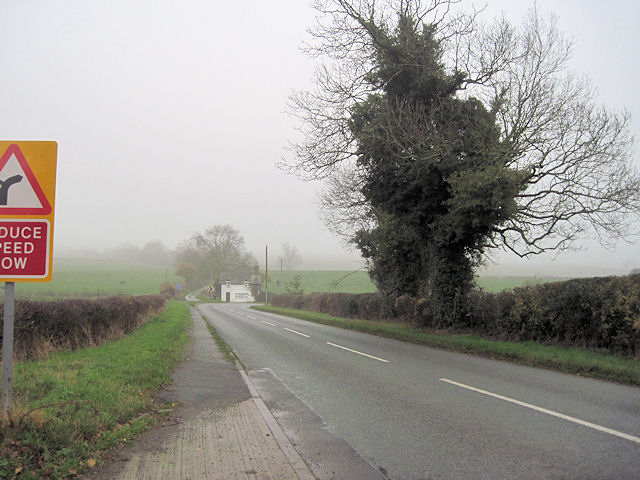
x,y
234,292
240,290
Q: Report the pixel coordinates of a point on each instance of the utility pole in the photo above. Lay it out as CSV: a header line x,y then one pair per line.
x,y
266,275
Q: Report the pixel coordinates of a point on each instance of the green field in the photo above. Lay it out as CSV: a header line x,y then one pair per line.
x,y
314,281
91,278
359,281
497,284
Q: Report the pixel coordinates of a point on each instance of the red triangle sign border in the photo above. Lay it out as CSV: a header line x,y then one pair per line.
x,y
14,149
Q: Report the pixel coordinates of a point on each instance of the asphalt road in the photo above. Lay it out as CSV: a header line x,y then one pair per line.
x,y
414,412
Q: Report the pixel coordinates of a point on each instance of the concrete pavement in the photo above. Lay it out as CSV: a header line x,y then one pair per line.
x,y
222,430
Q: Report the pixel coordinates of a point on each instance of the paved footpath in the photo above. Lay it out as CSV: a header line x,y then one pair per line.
x,y
222,430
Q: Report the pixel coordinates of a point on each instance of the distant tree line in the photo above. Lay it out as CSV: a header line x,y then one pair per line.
x,y
151,253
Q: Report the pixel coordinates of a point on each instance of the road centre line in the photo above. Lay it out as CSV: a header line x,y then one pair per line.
x,y
359,353
268,323
249,316
610,431
293,331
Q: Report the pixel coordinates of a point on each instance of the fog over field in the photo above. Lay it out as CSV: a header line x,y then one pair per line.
x,y
170,116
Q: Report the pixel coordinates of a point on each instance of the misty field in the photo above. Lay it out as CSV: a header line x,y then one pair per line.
x,y
359,282
93,278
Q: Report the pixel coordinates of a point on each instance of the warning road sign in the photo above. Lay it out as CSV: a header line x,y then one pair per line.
x,y
27,199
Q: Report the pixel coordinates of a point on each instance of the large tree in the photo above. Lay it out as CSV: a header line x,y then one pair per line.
x,y
438,137
217,252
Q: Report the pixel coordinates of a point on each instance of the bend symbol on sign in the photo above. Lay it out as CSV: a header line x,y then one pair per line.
x,y
4,188
18,197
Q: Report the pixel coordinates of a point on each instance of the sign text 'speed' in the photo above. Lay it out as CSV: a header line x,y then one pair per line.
x,y
17,247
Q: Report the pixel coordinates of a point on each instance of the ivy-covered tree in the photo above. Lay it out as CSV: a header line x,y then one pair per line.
x,y
435,172
438,136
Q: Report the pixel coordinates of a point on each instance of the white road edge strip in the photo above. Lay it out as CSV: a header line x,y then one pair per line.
x,y
297,333
616,433
359,353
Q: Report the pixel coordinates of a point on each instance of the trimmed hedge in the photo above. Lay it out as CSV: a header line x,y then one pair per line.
x,y
599,313
43,327
368,306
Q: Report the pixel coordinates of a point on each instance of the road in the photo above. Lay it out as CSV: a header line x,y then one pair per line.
x,y
415,413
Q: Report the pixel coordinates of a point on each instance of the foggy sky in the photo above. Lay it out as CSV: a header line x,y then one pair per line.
x,y
169,116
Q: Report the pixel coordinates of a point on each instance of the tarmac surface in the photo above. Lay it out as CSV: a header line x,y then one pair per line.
x,y
222,429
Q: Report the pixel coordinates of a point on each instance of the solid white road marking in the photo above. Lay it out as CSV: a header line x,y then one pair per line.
x,y
272,324
359,353
548,412
298,333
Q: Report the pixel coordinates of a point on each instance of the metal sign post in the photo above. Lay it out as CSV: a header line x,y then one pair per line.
x,y
7,350
27,201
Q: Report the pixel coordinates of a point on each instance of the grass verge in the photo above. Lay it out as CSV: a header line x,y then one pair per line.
x,y
70,408
570,360
224,348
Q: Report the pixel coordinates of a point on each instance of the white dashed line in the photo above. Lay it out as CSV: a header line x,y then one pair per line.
x,y
272,324
616,433
297,333
359,353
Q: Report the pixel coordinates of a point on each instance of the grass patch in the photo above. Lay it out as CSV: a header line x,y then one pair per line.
x,y
498,284
571,360
98,278
95,398
321,281
337,281
224,348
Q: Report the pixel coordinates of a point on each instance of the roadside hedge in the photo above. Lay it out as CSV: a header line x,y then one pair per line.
x,y
599,313
368,306
43,327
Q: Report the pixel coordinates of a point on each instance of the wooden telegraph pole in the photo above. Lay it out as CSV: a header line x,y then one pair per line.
x,y
266,275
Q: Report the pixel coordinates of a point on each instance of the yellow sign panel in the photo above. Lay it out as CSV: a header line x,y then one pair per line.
x,y
27,201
